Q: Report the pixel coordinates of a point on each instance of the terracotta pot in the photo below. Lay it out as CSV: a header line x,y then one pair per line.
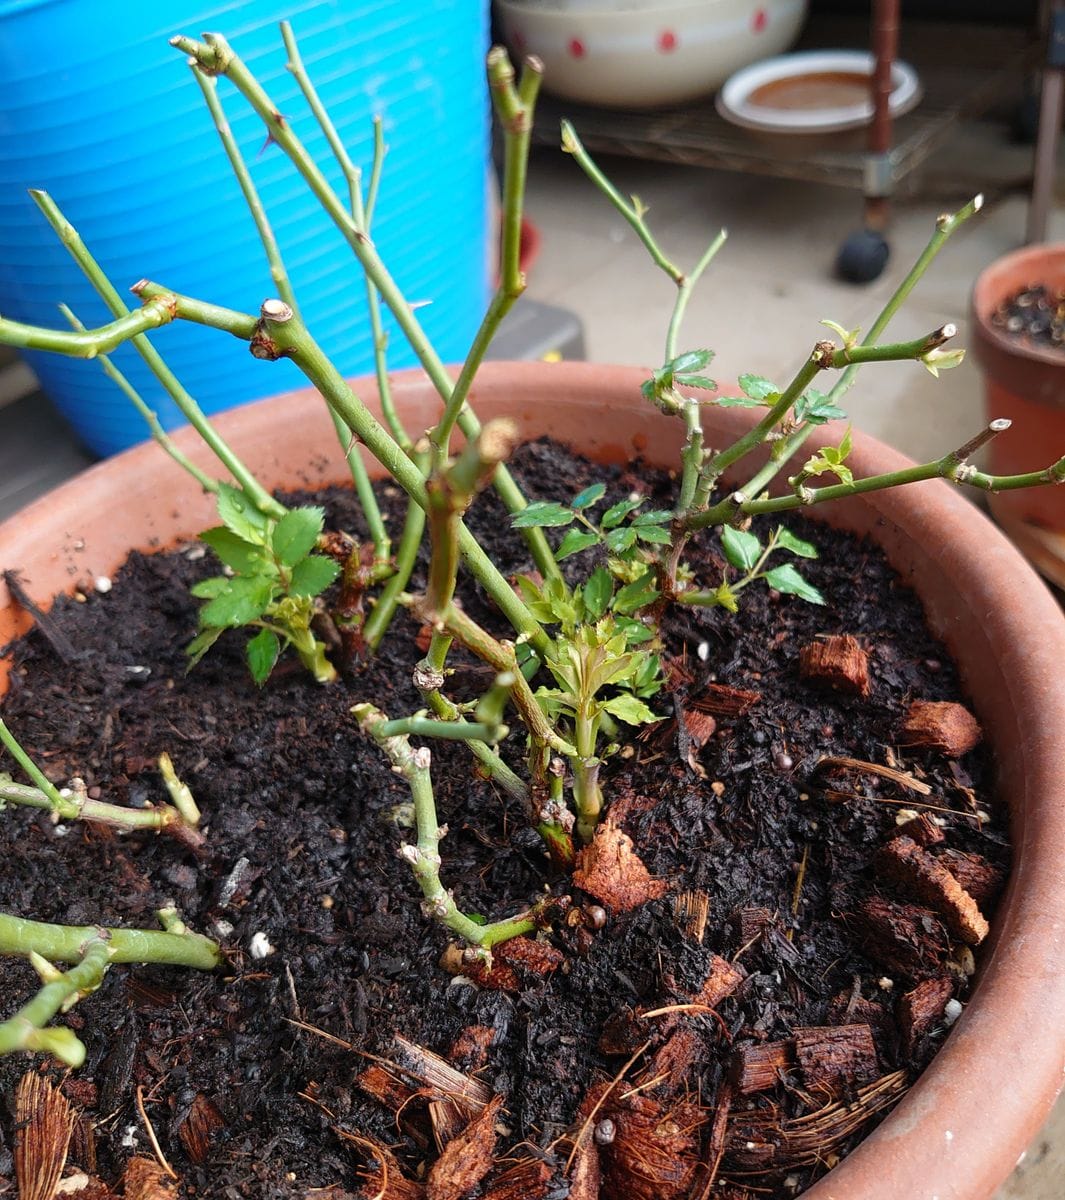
x,y
1027,384
959,1131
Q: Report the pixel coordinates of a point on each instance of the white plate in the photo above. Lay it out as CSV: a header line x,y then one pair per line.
x,y
737,101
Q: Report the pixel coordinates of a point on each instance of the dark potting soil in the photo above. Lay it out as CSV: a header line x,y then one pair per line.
x,y
782,948
1034,314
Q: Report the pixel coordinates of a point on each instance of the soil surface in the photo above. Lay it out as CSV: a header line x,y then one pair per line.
x,y
808,968
1035,315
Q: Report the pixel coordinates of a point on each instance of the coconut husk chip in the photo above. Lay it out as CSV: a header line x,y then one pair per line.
x,y
610,870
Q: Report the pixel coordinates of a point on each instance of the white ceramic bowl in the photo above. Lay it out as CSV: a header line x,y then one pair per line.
x,y
646,53
813,92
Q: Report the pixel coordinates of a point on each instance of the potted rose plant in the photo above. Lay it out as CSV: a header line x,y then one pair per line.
x,y
585,649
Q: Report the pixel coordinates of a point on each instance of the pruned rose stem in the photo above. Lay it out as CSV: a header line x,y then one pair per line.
x,y
76,806
423,726
450,491
180,793
64,943
292,340
188,407
86,343
514,110
410,539
41,781
633,212
217,57
501,655
93,949
946,225
27,1031
495,768
414,764
950,467
381,542
551,822
280,333
73,804
825,356
257,212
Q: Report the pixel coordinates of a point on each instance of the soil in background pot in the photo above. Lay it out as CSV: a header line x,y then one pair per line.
x,y
809,908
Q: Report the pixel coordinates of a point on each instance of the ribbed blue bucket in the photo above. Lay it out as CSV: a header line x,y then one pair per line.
x,y
99,110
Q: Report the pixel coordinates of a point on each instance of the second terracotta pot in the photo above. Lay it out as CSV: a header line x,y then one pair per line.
x,y
1025,383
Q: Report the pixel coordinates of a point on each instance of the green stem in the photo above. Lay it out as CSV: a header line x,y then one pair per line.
x,y
448,731
151,419
685,286
163,818
41,781
26,1029
847,356
311,653
587,793
382,543
188,407
379,151
691,457
495,768
951,467
64,943
200,312
278,273
514,108
216,56
90,342
757,434
73,804
429,679
410,541
945,226
850,361
825,356
450,491
633,213
362,216
180,793
373,301
291,339
424,857
501,656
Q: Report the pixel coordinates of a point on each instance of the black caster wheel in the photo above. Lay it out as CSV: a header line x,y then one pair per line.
x,y
862,257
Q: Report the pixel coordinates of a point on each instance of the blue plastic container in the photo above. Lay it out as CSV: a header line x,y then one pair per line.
x,y
100,111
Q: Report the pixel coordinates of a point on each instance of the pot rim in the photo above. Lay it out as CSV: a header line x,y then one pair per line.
x,y
935,1143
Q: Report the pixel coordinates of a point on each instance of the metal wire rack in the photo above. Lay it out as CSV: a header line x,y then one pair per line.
x,y
964,69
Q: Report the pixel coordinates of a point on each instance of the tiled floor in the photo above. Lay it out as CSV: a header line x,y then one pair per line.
x,y
758,308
